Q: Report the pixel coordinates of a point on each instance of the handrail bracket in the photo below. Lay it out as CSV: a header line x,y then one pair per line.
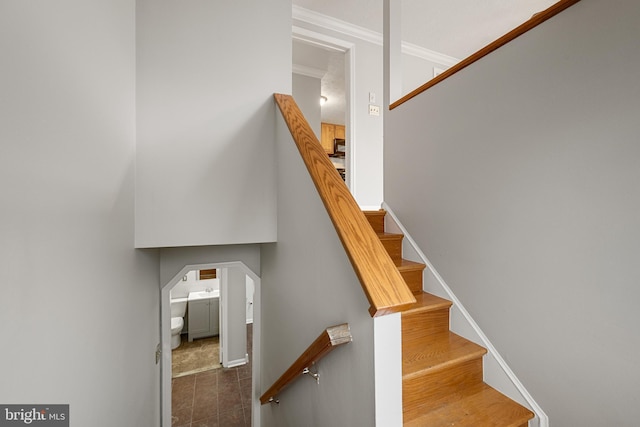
x,y
313,375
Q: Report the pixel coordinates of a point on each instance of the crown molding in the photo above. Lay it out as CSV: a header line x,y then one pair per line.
x,y
308,71
320,39
327,22
429,55
334,24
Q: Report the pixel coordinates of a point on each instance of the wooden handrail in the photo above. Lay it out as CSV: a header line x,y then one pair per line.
x,y
381,281
535,20
328,340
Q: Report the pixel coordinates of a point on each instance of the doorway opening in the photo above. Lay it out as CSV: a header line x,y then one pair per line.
x,y
234,282
332,62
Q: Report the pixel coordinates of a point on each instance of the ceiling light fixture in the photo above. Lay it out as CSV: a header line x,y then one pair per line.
x,y
323,100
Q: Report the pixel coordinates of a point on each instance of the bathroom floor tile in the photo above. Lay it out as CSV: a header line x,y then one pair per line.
x,y
209,422
204,412
181,417
227,376
245,392
234,418
181,401
206,374
230,402
183,382
206,399
244,371
206,384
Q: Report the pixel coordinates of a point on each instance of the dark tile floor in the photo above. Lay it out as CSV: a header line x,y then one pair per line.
x,y
215,398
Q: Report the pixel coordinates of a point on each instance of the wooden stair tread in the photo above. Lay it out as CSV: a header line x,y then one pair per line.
x,y
485,407
427,302
405,265
390,236
429,392
442,351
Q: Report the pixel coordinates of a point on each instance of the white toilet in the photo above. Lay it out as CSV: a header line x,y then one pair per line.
x,y
178,310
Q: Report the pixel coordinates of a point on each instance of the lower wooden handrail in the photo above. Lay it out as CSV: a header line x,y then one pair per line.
x,y
328,340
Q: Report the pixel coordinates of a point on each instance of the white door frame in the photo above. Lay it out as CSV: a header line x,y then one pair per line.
x,y
165,338
324,41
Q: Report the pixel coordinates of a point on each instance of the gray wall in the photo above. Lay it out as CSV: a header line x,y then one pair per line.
x,y
308,285
518,177
416,72
79,306
206,73
306,91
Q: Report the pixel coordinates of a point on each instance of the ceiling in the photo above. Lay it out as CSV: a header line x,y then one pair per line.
x,y
456,28
329,64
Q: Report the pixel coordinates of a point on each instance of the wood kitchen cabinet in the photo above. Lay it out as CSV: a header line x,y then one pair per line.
x,y
329,132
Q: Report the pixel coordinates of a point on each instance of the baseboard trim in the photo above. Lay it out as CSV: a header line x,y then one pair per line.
x,y
238,362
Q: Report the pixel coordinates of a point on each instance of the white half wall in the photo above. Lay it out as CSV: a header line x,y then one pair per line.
x,y
79,306
206,74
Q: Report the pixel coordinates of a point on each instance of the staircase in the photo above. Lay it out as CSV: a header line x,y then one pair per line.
x,y
442,382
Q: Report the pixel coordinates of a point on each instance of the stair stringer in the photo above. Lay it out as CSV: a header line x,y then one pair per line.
x,y
497,373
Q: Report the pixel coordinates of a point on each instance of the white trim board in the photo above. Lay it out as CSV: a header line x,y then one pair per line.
x,y
303,70
387,355
238,362
351,30
496,371
324,41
